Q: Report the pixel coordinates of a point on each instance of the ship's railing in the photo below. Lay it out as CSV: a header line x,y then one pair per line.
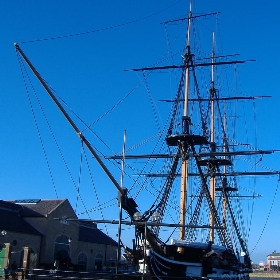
x,y
43,274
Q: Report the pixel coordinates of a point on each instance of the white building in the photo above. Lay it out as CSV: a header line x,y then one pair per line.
x,y
273,260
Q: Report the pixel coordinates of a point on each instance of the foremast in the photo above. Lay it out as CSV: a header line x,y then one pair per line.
x,y
187,141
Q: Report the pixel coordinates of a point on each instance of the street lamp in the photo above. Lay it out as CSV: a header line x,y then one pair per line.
x,y
2,234
69,252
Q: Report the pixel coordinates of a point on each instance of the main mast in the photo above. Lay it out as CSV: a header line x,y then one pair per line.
x,y
212,144
185,164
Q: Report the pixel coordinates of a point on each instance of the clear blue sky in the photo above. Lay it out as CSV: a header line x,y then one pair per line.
x,y
87,72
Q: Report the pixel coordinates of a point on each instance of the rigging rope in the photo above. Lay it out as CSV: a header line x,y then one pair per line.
x,y
168,186
50,129
79,178
79,118
105,205
113,107
94,188
253,204
104,28
21,64
268,216
151,100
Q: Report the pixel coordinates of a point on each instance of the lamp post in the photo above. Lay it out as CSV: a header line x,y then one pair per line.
x,y
2,234
137,218
120,207
155,218
69,245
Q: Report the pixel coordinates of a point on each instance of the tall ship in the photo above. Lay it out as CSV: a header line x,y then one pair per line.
x,y
194,155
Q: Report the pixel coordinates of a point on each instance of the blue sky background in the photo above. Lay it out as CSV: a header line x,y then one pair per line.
x,y
87,72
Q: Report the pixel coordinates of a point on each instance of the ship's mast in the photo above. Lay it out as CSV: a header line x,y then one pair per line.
x,y
225,180
213,144
185,165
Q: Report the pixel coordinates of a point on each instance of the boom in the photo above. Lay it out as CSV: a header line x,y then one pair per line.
x,y
129,204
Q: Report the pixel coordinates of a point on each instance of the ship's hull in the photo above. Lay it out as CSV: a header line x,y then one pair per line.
x,y
172,267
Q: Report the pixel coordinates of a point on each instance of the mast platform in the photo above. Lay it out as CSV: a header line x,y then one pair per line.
x,y
214,161
191,139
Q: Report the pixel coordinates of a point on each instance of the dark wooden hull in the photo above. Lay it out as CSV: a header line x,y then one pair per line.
x,y
162,267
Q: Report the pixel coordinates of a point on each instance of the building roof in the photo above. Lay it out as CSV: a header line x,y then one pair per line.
x,y
274,254
39,208
11,221
95,235
12,214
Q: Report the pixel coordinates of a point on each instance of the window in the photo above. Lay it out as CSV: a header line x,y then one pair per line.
x,y
61,252
82,261
98,262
